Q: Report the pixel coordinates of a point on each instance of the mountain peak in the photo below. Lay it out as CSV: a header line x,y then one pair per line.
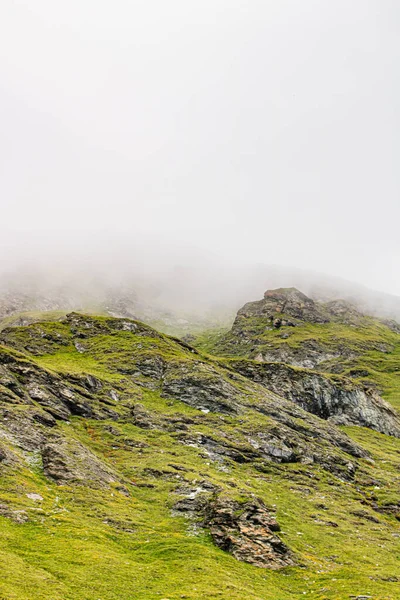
x,y
286,293
289,302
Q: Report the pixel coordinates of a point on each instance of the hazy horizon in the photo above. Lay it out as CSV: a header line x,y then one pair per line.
x,y
143,135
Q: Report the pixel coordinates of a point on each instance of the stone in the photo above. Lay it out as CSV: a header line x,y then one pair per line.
x,y
246,530
35,497
338,400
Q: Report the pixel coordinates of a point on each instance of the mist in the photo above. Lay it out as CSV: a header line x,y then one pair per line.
x,y
184,148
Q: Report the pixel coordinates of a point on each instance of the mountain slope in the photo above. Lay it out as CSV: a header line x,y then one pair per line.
x,y
331,338
178,300
133,466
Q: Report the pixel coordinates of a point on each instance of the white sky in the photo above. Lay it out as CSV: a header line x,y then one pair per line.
x,y
252,130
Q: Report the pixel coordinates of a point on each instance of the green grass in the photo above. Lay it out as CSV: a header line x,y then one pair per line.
x,y
81,543
375,348
31,317
77,547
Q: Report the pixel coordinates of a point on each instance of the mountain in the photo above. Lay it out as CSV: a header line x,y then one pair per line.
x,y
178,300
135,465
332,338
39,295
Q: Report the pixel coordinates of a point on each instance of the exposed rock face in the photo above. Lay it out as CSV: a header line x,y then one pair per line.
x,y
142,418
283,309
18,516
344,312
392,325
200,386
290,307
291,302
7,458
70,462
316,358
24,382
313,354
245,530
289,440
310,355
336,399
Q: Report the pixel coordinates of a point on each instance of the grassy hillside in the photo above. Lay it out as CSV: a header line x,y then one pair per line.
x,y
368,352
144,422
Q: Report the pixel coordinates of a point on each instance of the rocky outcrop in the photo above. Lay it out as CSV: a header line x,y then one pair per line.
x,y
291,439
24,382
201,386
334,398
311,354
316,359
148,360
285,308
246,530
344,312
293,303
7,457
68,461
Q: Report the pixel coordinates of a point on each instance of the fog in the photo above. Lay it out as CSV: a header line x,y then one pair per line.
x,y
189,143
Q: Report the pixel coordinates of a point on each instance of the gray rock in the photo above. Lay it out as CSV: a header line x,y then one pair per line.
x,y
333,398
68,461
246,530
201,386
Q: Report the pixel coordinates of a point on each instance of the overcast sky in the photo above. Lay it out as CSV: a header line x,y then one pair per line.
x,y
260,131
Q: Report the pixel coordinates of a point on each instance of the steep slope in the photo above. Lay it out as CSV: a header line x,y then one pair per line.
x,y
337,361
331,397
132,466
